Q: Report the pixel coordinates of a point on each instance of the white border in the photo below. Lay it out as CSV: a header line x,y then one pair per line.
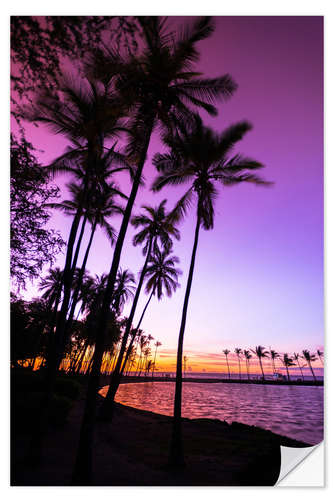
x,y
172,7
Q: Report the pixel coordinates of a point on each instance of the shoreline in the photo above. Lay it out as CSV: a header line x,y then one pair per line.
x,y
133,451
136,379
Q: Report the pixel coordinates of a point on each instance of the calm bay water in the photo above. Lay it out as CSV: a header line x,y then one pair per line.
x,y
292,411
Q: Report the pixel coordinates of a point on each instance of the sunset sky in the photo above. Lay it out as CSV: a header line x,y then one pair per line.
x,y
259,273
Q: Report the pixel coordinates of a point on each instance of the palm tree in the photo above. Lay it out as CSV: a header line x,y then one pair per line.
x,y
296,358
85,113
287,362
98,209
248,356
185,361
155,227
200,156
157,345
158,85
260,353
320,354
162,276
146,354
142,344
124,289
274,355
238,352
309,358
51,284
226,352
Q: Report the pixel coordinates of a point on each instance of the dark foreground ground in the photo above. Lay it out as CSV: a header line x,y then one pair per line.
x,y
133,449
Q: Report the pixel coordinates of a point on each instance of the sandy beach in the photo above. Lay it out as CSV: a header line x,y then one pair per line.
x,y
132,450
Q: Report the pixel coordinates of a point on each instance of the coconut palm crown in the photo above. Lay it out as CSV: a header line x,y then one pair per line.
x,y
200,156
161,273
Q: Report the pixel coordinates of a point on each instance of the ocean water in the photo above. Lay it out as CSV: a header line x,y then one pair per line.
x,y
292,411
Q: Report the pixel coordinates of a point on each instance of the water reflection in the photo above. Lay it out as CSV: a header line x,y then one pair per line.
x,y
293,411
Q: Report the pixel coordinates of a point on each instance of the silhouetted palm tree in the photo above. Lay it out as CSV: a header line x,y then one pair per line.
x,y
157,85
157,345
201,157
320,354
274,355
238,352
142,344
185,361
155,227
226,352
260,353
162,276
124,289
296,358
287,362
309,358
86,113
51,284
101,207
248,356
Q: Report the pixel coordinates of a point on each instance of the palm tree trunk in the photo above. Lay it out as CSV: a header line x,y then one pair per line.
x,y
288,377
80,280
78,244
240,376
176,457
67,285
262,370
299,366
310,366
248,369
152,372
80,362
138,365
83,466
107,407
228,367
133,338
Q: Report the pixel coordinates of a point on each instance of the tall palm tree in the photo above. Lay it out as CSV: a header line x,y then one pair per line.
x,y
296,358
185,361
320,354
199,156
158,85
143,342
309,358
162,275
238,353
287,362
157,345
86,113
260,353
155,228
98,209
248,356
273,355
124,289
70,207
52,285
226,352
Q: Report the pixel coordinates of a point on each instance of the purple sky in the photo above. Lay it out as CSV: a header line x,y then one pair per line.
x,y
259,274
